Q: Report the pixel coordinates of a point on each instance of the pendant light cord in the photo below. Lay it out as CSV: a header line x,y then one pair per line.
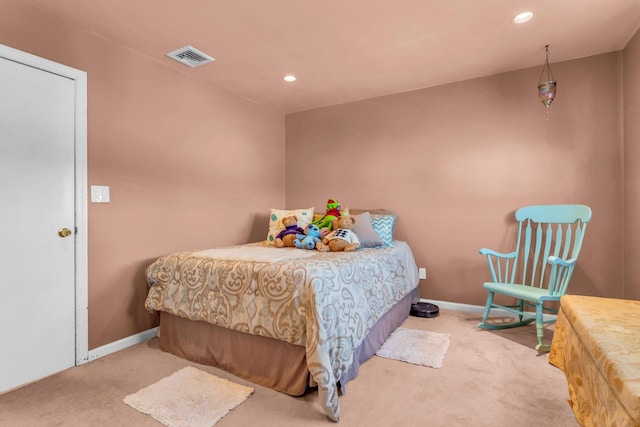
x,y
546,67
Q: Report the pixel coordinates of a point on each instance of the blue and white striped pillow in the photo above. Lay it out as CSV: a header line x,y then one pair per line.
x,y
384,225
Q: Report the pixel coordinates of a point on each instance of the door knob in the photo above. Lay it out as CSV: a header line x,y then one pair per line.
x,y
64,232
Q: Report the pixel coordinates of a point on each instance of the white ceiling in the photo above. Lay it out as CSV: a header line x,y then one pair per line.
x,y
345,50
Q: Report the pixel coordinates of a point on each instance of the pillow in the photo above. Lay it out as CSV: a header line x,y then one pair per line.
x,y
305,216
365,232
384,225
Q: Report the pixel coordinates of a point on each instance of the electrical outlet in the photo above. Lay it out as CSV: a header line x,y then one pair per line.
x,y
423,273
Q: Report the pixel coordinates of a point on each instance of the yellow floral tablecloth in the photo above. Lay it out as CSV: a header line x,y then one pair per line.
x,y
597,344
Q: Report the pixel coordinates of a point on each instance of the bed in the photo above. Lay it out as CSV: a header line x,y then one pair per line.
x,y
284,318
596,343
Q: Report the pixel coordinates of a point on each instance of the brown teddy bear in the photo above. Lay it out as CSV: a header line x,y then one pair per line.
x,y
286,236
341,238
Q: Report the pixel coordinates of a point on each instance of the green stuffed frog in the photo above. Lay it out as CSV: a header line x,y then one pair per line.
x,y
333,212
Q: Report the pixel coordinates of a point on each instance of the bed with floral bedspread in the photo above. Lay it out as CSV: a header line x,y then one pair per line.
x,y
324,301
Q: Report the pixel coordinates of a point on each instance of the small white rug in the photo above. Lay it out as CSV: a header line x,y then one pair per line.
x,y
417,347
189,398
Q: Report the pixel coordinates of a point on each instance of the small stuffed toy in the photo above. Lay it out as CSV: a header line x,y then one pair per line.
x,y
308,240
286,237
333,212
341,238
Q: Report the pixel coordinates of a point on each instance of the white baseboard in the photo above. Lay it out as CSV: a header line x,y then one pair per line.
x,y
153,332
122,344
456,306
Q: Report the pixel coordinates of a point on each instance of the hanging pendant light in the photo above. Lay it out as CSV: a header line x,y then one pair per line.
x,y
546,88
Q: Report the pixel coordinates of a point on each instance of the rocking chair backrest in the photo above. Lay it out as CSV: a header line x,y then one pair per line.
x,y
544,231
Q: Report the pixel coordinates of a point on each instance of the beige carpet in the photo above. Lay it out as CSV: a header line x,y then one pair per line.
x,y
416,346
189,398
488,379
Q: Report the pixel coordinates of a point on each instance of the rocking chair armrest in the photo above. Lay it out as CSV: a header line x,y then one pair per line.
x,y
554,260
485,251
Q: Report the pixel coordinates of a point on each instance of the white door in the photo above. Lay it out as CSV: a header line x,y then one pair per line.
x,y
37,199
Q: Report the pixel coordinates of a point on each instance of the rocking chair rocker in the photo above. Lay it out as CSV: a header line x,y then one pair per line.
x,y
547,248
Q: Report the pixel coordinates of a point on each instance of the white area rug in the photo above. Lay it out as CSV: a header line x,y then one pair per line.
x,y
417,347
189,397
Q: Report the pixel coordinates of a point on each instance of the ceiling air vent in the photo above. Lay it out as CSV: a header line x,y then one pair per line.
x,y
190,56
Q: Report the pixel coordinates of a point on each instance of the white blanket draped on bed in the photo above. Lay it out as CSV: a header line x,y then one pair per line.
x,y
324,301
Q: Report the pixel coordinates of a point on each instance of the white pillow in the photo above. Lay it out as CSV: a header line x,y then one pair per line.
x,y
305,216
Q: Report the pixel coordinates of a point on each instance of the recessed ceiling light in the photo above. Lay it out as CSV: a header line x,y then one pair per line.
x,y
523,17
289,78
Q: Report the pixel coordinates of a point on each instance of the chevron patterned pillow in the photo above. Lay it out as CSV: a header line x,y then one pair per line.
x,y
384,225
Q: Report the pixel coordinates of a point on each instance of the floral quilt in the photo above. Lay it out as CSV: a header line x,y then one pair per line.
x,y
324,301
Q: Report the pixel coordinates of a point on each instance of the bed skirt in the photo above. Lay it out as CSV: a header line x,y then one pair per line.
x,y
266,361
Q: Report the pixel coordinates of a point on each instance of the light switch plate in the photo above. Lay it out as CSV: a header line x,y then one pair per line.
x,y
100,194
423,273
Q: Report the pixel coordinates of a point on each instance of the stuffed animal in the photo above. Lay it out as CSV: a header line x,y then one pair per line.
x,y
308,240
333,212
286,237
342,238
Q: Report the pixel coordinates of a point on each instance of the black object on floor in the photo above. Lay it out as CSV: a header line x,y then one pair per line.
x,y
424,309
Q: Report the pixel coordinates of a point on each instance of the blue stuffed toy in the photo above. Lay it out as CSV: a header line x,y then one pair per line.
x,y
309,240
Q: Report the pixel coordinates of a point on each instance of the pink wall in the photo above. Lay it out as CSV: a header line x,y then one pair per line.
x,y
632,167
189,165
455,161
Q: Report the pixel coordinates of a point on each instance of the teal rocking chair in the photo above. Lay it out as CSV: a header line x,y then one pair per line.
x,y
539,269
